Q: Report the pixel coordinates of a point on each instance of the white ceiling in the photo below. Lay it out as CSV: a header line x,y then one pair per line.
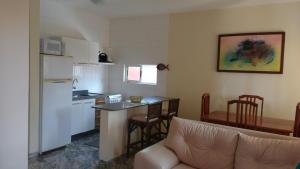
x,y
122,8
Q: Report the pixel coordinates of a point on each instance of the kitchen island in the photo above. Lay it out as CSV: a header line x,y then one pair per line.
x,y
113,125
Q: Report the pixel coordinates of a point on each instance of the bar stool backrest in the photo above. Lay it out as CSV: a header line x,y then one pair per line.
x,y
173,107
154,111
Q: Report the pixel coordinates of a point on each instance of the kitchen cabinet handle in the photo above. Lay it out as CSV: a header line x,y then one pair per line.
x,y
75,103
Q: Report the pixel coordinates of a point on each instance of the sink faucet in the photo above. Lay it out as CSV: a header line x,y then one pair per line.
x,y
75,80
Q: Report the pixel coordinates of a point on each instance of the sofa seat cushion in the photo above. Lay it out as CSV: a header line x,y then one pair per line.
x,y
183,166
156,156
261,153
202,146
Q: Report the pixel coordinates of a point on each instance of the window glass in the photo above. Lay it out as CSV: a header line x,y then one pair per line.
x,y
141,74
149,74
134,73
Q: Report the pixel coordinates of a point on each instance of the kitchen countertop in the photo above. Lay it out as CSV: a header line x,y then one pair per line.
x,y
127,104
85,95
80,97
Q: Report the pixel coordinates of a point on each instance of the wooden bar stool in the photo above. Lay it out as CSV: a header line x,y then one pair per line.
x,y
167,116
145,122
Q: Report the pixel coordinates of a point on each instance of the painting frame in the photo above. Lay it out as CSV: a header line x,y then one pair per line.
x,y
282,46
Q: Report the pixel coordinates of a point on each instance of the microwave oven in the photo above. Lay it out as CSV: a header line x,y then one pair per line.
x,y
50,47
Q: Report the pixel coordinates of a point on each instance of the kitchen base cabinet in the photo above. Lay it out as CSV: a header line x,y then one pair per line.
x,y
76,118
88,115
83,116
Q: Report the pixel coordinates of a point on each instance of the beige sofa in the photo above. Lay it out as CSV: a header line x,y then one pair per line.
x,y
194,144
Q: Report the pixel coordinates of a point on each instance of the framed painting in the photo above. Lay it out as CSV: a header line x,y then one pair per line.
x,y
251,52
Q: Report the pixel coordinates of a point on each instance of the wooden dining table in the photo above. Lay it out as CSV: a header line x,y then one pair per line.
x,y
266,124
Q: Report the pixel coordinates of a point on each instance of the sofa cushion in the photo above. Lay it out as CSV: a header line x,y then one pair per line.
x,y
155,157
202,146
261,153
183,166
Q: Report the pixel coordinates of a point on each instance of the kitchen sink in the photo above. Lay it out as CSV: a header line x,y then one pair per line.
x,y
91,94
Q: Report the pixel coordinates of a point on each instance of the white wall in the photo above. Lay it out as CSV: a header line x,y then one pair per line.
x,y
57,20
193,56
81,25
138,40
14,75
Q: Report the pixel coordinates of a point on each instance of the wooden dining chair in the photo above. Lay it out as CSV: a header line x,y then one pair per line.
x,y
205,106
296,132
246,113
254,99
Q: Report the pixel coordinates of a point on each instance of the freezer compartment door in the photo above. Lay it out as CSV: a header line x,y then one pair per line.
x,y
57,67
56,114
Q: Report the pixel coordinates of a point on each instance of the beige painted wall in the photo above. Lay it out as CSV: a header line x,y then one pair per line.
x,y
193,51
34,76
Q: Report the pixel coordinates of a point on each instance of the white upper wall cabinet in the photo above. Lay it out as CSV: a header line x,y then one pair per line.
x,y
79,49
82,51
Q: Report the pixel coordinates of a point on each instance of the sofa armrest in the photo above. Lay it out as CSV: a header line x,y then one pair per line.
x,y
155,157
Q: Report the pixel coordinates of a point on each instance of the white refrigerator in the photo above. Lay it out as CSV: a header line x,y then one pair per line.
x,y
56,96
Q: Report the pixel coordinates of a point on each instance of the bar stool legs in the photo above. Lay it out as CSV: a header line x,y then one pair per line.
x,y
144,123
142,137
146,135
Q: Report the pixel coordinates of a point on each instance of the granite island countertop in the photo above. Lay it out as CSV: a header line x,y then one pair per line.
x,y
127,104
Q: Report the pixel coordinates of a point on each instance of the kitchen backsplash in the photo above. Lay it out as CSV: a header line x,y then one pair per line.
x,y
91,77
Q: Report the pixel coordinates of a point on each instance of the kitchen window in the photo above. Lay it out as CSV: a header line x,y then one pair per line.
x,y
141,74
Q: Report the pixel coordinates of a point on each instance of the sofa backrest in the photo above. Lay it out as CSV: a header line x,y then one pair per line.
x,y
205,145
256,153
202,146
253,132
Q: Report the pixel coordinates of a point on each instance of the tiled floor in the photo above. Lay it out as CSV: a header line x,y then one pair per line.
x,y
81,154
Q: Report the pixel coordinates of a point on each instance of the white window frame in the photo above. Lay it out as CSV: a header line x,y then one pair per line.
x,y
125,78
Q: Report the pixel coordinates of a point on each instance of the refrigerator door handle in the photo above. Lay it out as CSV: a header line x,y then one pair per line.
x,y
58,80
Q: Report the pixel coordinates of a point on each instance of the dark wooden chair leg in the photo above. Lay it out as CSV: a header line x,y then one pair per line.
x,y
159,130
165,124
168,125
148,133
142,137
128,138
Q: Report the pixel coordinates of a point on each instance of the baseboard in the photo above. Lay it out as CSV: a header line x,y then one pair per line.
x,y
81,135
